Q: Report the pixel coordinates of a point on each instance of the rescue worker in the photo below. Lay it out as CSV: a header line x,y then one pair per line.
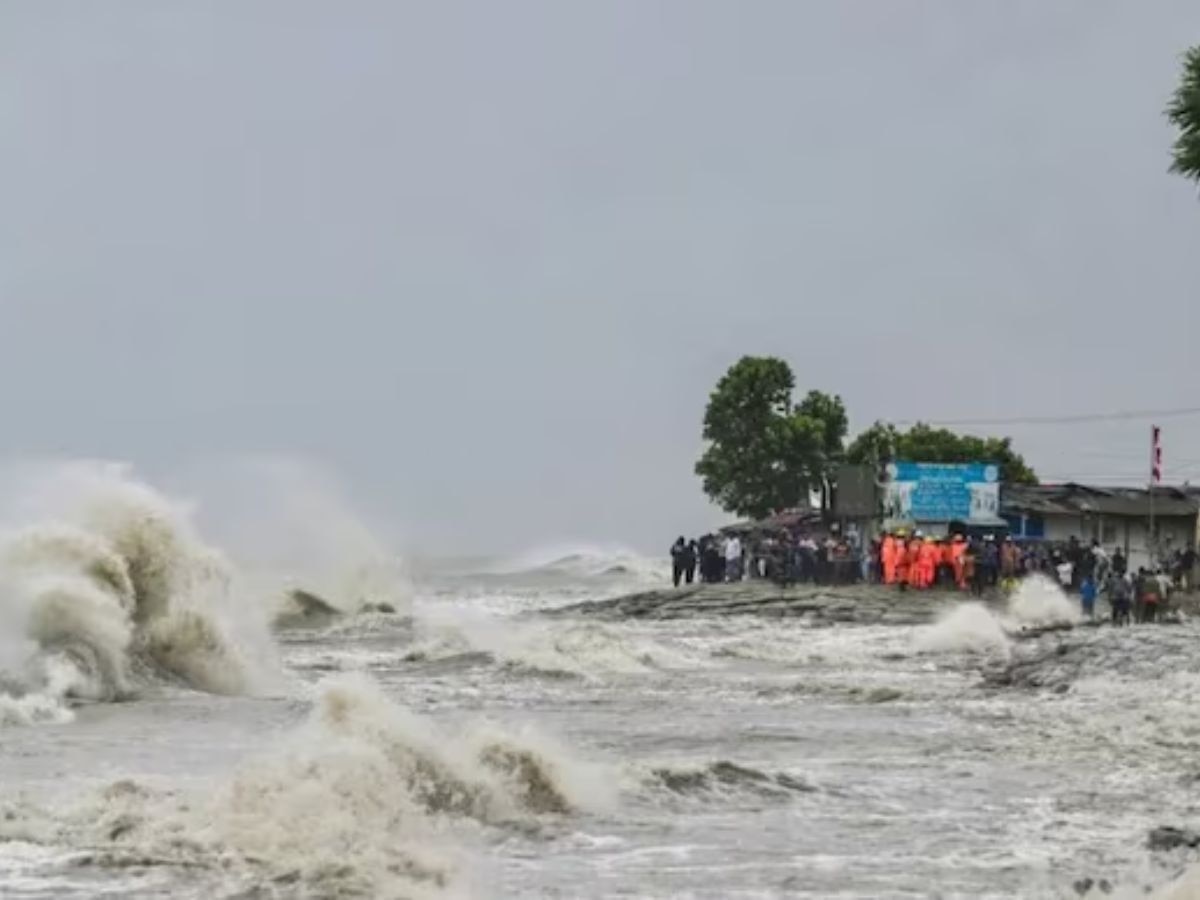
x,y
901,570
928,555
958,552
914,561
887,556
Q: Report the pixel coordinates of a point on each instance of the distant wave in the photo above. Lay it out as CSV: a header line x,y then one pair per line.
x,y
587,561
586,650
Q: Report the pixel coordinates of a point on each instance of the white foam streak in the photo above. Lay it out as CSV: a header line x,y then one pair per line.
x,y
589,650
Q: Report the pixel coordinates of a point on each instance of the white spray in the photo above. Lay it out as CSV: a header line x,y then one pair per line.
x,y
109,586
359,800
292,526
974,628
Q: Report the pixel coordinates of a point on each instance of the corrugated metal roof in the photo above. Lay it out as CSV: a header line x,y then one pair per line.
x,y
788,518
1079,499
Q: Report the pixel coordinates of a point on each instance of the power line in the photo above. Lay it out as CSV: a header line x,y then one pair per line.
x,y
1130,481
1063,420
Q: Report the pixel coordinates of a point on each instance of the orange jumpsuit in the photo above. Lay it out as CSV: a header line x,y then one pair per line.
x,y
887,556
928,555
901,571
958,550
913,558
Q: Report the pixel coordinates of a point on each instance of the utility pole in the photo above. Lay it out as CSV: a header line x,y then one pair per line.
x,y
1155,478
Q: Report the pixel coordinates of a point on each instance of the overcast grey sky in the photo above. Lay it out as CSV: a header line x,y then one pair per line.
x,y
486,260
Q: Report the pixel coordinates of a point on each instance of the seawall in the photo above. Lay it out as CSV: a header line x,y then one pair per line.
x,y
858,603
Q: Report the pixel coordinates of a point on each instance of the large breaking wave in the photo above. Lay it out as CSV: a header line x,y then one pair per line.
x,y
105,587
363,799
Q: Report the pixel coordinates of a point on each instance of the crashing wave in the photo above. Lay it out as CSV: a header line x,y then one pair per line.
x,y
973,627
968,628
116,589
357,801
1039,603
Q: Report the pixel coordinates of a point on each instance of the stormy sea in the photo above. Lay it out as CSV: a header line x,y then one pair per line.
x,y
179,718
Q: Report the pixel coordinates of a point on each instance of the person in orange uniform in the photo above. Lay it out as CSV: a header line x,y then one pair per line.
x,y
887,556
900,573
958,553
914,561
928,554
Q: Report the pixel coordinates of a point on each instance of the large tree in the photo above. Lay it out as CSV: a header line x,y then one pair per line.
x,y
830,413
1184,113
882,443
763,452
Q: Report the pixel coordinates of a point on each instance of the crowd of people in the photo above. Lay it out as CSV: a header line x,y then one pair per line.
x,y
783,558
913,561
980,562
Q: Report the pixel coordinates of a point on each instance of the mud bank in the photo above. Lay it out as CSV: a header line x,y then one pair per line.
x,y
855,604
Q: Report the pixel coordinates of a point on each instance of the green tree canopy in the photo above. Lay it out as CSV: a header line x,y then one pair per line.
x,y
830,413
763,453
883,442
1184,113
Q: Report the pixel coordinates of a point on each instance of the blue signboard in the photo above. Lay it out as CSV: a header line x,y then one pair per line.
x,y
942,492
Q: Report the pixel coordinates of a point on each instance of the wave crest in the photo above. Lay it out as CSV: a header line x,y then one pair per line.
x,y
364,798
117,587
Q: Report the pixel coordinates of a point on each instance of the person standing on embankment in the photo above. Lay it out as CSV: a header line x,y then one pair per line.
x,y
733,559
678,549
889,550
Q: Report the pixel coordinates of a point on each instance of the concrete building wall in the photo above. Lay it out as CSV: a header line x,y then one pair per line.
x,y
1128,533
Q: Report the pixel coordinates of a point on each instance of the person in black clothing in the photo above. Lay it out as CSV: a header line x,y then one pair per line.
x,y
1187,565
678,552
690,556
1075,558
1118,597
712,563
1087,562
988,562
821,575
1119,564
